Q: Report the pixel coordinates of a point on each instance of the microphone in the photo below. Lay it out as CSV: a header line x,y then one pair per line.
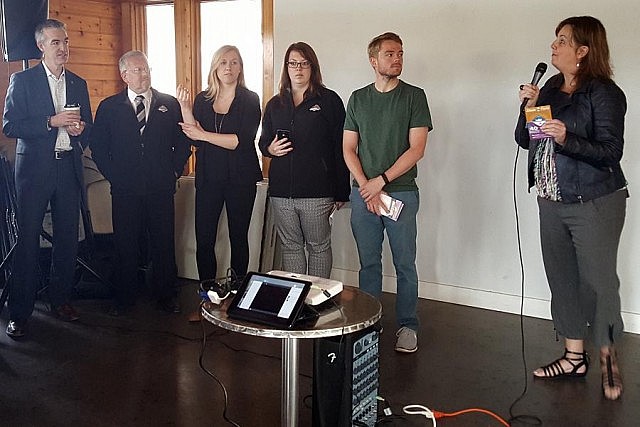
x,y
541,68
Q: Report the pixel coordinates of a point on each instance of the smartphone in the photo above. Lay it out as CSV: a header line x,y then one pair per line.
x,y
283,133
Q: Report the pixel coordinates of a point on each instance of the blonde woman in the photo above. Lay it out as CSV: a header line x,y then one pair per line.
x,y
223,123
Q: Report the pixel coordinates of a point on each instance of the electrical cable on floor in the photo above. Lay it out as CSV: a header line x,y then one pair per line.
x,y
124,329
526,419
433,415
386,408
215,334
387,414
224,389
255,353
420,410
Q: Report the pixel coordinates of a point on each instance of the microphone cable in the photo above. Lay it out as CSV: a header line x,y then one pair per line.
x,y
525,419
216,379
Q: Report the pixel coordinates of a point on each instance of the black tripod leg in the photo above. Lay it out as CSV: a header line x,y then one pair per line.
x,y
94,273
90,240
5,291
84,264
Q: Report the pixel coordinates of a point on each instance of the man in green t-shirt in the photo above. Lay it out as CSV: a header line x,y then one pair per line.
x,y
385,135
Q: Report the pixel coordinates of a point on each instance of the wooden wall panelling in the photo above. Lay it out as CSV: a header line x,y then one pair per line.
x,y
77,9
267,51
187,30
267,65
7,146
134,26
95,39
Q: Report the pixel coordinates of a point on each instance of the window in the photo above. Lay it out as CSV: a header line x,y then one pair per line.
x,y
235,23
161,47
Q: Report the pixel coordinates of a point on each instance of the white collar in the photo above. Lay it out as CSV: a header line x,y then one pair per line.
x,y
50,74
132,95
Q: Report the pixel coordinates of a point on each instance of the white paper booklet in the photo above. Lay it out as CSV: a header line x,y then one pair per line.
x,y
394,206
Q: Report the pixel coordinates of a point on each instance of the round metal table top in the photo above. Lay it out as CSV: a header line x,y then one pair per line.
x,y
353,310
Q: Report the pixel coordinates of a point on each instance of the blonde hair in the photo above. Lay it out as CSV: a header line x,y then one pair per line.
x,y
213,83
374,45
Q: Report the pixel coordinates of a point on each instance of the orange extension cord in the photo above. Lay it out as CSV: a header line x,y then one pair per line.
x,y
438,414
421,410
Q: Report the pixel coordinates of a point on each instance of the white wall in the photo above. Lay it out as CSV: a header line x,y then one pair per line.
x,y
470,57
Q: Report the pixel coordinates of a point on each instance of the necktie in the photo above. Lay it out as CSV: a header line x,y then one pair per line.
x,y
140,113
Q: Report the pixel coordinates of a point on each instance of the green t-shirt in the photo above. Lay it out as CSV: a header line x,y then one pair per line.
x,y
382,121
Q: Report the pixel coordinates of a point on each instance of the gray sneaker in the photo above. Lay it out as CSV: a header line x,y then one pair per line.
x,y
407,340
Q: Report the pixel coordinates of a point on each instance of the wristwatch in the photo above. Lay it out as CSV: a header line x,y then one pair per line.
x,y
49,123
384,178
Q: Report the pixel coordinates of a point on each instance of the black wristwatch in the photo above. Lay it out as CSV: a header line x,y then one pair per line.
x,y
384,178
49,123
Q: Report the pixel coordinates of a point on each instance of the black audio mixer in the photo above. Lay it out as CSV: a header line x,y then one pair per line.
x,y
365,380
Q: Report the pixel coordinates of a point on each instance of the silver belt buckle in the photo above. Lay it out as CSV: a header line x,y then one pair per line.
x,y
59,155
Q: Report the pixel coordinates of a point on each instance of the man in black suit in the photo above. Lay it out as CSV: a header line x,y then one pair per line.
x,y
48,170
140,148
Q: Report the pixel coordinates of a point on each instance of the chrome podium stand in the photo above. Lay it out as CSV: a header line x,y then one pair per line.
x,y
357,310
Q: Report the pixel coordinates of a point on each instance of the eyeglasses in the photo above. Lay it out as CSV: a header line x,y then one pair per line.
x,y
140,70
296,64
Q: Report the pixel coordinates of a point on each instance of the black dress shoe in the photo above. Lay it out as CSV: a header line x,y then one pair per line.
x,y
15,329
170,305
66,313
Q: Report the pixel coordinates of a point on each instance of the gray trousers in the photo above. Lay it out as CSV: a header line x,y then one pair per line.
x,y
580,248
304,223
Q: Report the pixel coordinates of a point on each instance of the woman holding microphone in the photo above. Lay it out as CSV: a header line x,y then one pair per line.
x,y
581,197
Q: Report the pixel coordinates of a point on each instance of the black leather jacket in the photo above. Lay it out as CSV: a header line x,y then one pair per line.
x,y
588,165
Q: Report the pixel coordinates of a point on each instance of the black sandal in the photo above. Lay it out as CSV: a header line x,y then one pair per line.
x,y
575,359
610,378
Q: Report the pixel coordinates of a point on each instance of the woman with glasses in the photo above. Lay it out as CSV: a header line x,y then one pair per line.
x,y
223,124
308,179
